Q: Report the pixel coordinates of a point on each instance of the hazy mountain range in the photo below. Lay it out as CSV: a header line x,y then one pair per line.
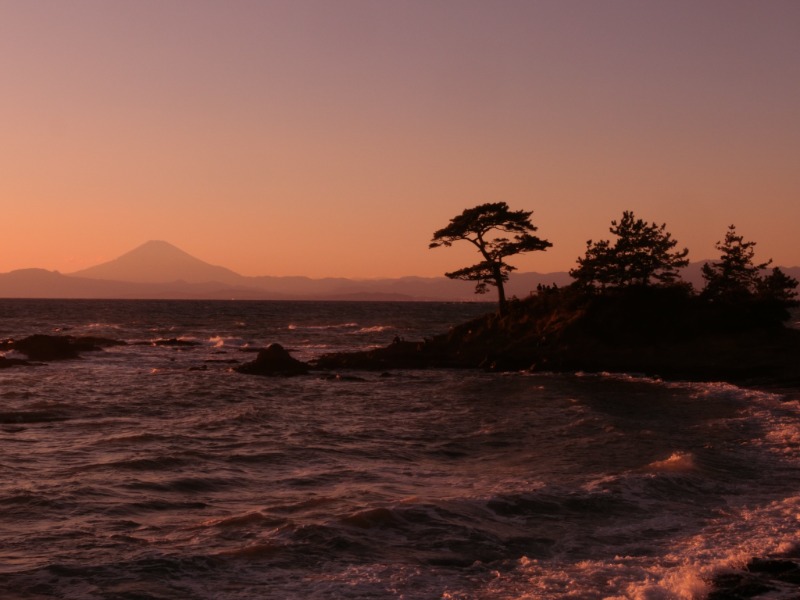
x,y
159,270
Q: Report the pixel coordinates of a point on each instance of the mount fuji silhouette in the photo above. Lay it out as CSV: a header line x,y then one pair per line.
x,y
160,262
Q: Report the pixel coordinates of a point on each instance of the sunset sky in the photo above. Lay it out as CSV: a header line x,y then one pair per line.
x,y
331,138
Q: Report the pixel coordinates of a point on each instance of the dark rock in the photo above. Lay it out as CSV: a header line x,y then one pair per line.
x,y
169,342
7,363
784,570
760,576
771,566
274,361
49,347
58,347
339,377
735,586
94,343
398,355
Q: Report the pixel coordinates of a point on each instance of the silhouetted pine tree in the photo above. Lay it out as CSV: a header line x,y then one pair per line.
x,y
643,254
475,225
735,276
741,290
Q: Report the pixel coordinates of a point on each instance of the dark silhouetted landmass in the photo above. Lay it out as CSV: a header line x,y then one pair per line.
x,y
656,332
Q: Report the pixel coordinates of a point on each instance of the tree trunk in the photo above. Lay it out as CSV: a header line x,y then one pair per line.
x,y
501,296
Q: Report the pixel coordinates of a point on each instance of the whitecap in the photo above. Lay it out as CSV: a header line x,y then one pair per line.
x,y
219,341
678,461
293,326
103,326
374,329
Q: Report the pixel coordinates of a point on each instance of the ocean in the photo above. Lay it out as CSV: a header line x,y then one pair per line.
x,y
157,472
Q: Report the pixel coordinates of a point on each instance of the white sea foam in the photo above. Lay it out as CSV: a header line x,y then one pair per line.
x,y
374,329
634,377
349,325
622,578
677,461
103,326
218,341
684,573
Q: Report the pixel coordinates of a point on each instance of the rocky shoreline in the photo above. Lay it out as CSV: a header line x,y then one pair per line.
x,y
672,340
657,336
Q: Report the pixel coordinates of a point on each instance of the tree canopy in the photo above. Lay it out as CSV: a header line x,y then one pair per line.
x,y
477,226
642,254
778,287
736,277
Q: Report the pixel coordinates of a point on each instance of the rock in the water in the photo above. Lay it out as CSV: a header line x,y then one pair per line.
x,y
274,361
57,347
48,347
92,343
7,363
173,342
780,569
399,355
339,377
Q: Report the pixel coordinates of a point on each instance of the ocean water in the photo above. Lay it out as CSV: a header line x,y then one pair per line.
x,y
156,472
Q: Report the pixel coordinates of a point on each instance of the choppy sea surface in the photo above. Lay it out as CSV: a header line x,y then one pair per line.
x,y
156,472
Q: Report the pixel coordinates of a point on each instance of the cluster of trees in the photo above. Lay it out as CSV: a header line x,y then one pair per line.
x,y
642,255
736,276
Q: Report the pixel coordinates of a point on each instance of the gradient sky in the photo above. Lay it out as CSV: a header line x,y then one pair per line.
x,y
331,138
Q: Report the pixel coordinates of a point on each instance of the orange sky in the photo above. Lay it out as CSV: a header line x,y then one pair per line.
x,y
310,137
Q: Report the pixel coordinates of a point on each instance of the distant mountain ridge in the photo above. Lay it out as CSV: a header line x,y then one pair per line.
x,y
159,270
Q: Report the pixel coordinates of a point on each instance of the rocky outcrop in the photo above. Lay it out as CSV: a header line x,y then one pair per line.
x,y
759,577
171,342
399,355
274,361
7,363
57,347
657,332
